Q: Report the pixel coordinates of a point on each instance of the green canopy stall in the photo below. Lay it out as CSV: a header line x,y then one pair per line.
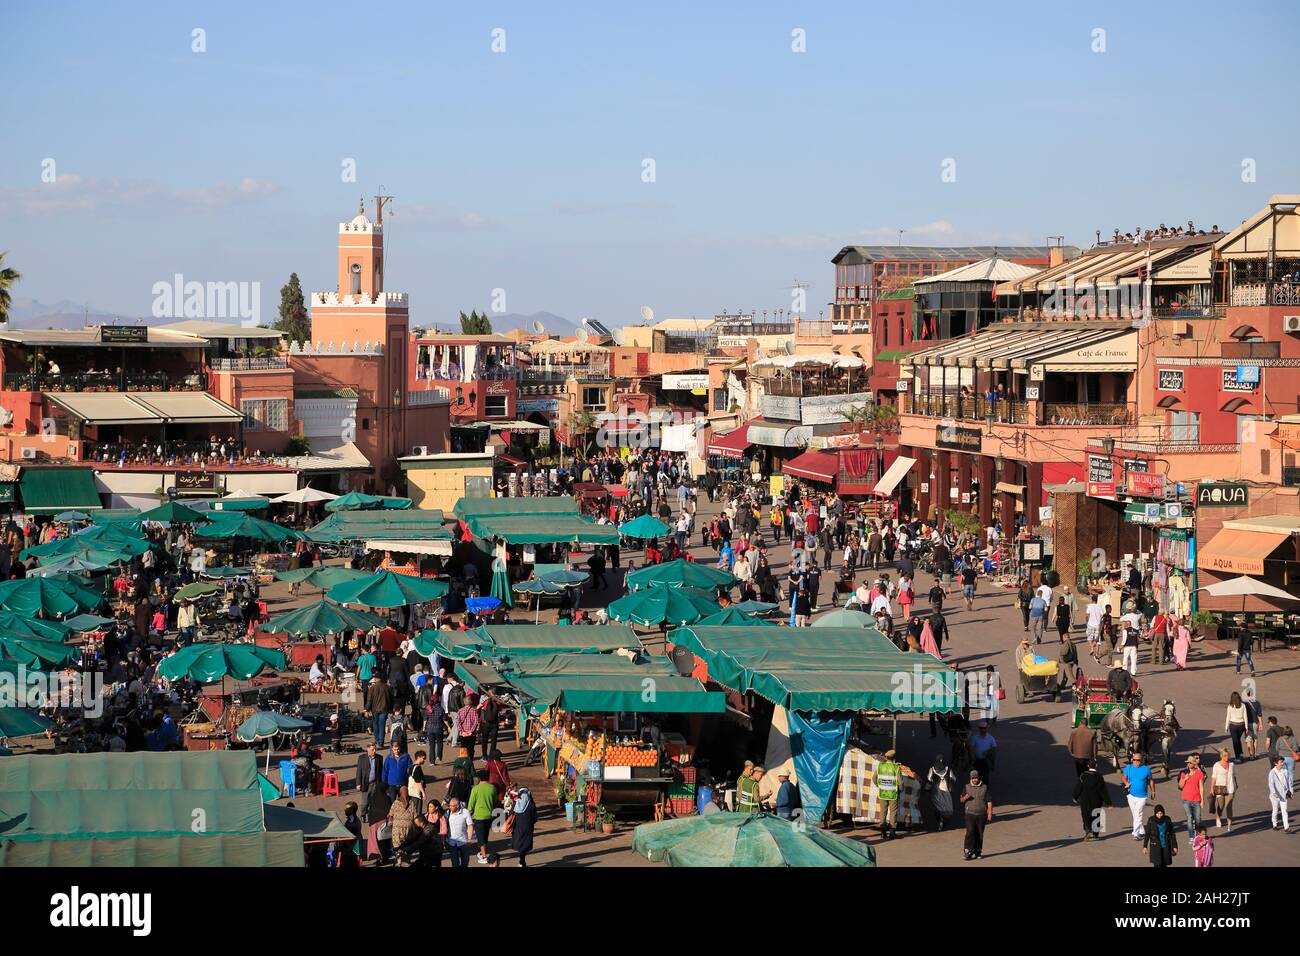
x,y
281,850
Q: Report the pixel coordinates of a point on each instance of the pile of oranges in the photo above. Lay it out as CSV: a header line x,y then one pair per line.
x,y
630,757
595,747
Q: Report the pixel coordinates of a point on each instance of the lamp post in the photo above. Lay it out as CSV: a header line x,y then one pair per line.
x,y
879,444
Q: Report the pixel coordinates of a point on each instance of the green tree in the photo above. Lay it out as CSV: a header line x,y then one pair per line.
x,y
475,323
297,446
294,321
8,277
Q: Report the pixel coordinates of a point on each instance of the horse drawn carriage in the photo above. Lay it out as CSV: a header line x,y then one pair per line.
x,y
1122,724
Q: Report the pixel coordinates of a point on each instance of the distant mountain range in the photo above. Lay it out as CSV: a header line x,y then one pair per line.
x,y
65,314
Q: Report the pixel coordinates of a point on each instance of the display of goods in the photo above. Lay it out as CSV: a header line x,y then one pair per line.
x,y
595,746
681,806
686,775
631,757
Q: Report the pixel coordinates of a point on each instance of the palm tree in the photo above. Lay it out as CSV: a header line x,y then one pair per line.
x,y
7,278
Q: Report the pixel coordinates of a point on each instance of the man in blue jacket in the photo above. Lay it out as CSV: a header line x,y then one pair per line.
x,y
787,797
397,768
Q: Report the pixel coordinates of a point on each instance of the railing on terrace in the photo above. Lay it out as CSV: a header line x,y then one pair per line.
x,y
816,328
1003,411
264,363
173,453
126,381
428,396
1058,413
1265,293
811,387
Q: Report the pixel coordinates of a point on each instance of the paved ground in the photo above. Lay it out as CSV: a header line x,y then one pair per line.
x,y
1035,822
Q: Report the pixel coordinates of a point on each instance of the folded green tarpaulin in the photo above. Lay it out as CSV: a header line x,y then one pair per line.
x,y
499,639
75,796
314,825
357,501
213,849
552,665
466,508
542,529
749,840
478,676
824,669
51,490
400,525
651,693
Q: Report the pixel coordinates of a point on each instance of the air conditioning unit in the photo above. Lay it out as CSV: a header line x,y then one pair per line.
x,y
421,451
29,453
1291,323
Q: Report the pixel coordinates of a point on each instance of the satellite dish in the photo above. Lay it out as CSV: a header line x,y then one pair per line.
x,y
619,337
647,313
583,334
789,347
538,327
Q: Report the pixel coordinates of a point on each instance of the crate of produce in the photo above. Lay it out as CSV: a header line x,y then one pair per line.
x,y
681,807
682,791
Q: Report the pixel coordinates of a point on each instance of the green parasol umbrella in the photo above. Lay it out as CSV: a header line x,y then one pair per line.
x,y
92,549
173,513
20,722
680,572
845,618
388,590
69,516
241,525
565,577
24,625
209,663
84,622
755,607
730,617
76,588
646,526
37,653
662,605
323,617
68,564
743,839
266,724
321,577
501,583
196,589
225,572
31,596
357,501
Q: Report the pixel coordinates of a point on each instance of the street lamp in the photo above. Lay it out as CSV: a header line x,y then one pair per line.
x,y
1108,445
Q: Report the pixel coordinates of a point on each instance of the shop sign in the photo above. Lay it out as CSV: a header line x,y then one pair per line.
x,y
1101,468
925,487
1248,374
1101,489
904,384
781,408
1174,509
1144,485
119,334
196,481
526,406
1222,495
1170,380
1232,381
1135,464
1031,393
860,326
498,388
685,383
959,439
1031,551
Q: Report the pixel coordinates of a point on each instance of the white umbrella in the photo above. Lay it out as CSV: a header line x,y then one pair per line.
x,y
1244,586
304,496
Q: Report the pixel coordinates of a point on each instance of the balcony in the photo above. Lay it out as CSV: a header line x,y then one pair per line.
x,y
559,374
428,396
176,454
1265,293
813,386
140,380
1003,411
266,363
1057,413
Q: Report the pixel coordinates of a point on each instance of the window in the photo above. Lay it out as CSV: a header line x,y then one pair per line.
x,y
478,486
355,282
1184,426
719,399
365,424
593,398
494,406
265,414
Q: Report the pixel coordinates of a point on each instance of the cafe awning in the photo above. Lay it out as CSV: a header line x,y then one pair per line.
x,y
778,434
893,475
1240,551
51,490
432,546
1006,488
104,408
731,445
814,465
191,407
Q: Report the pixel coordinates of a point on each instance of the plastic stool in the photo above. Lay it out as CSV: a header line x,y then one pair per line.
x,y
329,783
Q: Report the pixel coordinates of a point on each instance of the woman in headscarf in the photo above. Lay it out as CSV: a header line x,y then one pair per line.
x,y
765,582
1182,642
940,781
376,813
1160,843
1091,795
401,817
928,643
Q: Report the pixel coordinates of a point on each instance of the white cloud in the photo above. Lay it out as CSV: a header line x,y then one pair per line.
x,y
438,215
940,227
72,192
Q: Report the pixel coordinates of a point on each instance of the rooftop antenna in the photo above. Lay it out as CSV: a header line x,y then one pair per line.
x,y
380,202
900,237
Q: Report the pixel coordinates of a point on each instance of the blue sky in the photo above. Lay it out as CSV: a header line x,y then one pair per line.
x,y
523,170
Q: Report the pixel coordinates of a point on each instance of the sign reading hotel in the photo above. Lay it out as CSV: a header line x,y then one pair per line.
x,y
1144,485
958,439
1170,380
685,383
